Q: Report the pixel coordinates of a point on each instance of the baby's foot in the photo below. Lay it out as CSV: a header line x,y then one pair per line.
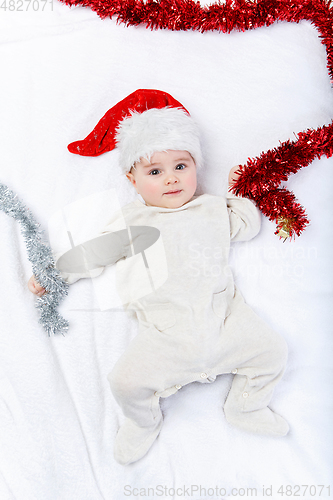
x,y
263,421
133,442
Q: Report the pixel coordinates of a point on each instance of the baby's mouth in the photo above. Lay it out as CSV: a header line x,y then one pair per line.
x,y
175,191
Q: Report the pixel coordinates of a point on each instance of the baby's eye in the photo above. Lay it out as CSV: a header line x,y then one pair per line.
x,y
154,172
180,166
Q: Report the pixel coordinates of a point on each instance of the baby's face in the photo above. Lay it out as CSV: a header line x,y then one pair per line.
x,y
168,180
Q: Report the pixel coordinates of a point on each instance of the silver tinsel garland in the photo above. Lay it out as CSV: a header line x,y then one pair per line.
x,y
40,255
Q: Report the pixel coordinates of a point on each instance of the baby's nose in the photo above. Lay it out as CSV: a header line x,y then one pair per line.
x,y
170,179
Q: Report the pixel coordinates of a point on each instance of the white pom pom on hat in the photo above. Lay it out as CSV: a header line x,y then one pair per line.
x,y
145,122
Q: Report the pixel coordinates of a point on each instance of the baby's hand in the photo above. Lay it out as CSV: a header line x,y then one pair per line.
x,y
35,287
233,176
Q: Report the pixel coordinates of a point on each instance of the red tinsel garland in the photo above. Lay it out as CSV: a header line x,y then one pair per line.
x,y
262,176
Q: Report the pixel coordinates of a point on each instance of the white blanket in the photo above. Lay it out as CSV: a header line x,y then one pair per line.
x,y
62,69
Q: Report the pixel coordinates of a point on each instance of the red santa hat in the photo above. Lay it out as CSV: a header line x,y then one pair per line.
x,y
143,123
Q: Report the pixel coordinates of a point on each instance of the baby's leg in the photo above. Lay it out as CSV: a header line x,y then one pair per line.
x,y
257,355
145,370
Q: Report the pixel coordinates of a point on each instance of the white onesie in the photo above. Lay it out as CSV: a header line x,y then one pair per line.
x,y
195,325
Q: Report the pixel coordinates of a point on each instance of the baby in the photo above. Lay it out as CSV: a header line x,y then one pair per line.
x,y
195,325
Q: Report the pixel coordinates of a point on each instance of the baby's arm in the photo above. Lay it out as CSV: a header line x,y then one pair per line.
x,y
244,217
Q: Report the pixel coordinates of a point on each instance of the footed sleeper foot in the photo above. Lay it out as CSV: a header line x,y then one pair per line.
x,y
263,421
132,442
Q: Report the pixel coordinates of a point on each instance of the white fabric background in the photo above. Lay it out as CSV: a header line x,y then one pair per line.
x,y
62,69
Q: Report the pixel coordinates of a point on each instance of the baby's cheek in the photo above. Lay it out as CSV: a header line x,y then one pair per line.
x,y
192,182
152,188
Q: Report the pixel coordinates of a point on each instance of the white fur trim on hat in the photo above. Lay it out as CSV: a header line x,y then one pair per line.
x,y
143,134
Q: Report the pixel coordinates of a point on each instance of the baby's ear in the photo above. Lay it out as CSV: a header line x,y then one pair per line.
x,y
130,177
